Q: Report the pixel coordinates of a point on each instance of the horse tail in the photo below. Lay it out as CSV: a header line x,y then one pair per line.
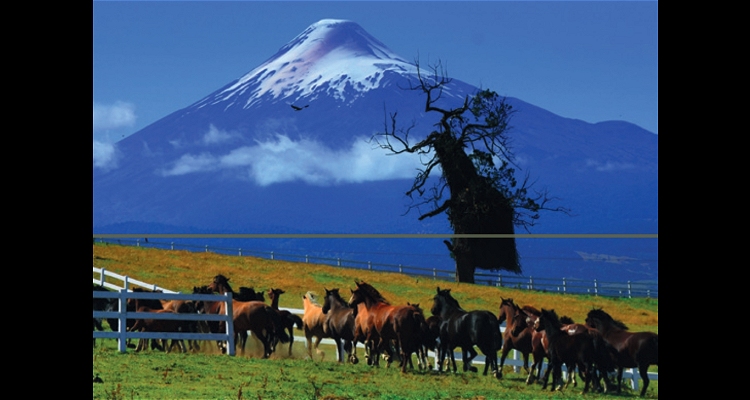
x,y
296,320
277,321
498,336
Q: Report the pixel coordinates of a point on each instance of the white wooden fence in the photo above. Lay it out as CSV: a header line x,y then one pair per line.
x,y
123,293
515,358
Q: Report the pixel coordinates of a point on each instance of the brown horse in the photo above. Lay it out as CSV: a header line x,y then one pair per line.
x,y
289,319
339,325
408,324
399,324
313,323
160,325
572,350
254,316
630,349
520,341
376,324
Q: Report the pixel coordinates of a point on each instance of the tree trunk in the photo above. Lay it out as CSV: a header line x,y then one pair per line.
x,y
464,266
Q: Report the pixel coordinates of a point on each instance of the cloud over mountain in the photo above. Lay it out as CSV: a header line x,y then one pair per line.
x,y
282,159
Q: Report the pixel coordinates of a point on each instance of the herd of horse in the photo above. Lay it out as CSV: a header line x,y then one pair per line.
x,y
601,346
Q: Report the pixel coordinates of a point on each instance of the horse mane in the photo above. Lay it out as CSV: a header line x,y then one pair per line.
x,y
313,297
372,292
599,314
531,310
566,320
337,297
446,295
223,280
551,317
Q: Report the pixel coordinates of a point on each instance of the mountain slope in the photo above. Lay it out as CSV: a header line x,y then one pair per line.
x,y
243,160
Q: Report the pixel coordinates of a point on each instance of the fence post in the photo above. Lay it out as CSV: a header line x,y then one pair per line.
x,y
171,246
531,283
307,259
122,307
434,274
272,255
500,280
565,289
240,251
399,269
101,277
229,324
630,290
369,265
206,248
338,261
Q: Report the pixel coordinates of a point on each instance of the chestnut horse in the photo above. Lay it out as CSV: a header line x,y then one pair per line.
x,y
399,324
255,316
520,341
313,323
630,349
466,329
339,325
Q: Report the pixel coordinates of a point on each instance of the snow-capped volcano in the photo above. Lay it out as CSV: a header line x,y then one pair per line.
x,y
334,57
241,160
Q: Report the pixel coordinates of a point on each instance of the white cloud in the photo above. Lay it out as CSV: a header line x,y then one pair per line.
x,y
118,115
109,118
105,155
283,160
214,136
608,166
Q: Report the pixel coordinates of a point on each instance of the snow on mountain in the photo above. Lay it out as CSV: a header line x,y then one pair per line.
x,y
330,55
241,160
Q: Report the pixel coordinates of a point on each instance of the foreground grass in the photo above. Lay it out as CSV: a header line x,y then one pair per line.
x,y
209,375
157,375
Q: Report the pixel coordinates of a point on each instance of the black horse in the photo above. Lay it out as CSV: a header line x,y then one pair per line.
x,y
466,329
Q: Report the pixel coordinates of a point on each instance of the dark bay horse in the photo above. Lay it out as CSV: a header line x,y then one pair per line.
x,y
289,319
339,325
520,339
466,329
255,316
630,349
577,349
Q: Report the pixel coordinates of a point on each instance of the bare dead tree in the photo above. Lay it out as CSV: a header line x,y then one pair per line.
x,y
470,144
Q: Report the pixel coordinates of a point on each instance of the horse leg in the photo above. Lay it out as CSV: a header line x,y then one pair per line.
x,y
643,371
468,355
291,338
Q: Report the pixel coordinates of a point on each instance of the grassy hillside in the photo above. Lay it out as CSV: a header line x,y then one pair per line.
x,y
182,270
211,375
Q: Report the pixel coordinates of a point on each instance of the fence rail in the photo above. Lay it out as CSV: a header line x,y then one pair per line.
x,y
563,286
122,293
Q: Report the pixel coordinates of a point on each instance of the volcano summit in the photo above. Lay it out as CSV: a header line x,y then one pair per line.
x,y
243,160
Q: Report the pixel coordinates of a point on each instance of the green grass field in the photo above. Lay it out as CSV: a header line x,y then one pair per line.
x,y
211,375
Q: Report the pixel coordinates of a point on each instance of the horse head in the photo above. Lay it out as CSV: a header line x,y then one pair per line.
x,y
598,319
220,284
548,319
331,295
507,309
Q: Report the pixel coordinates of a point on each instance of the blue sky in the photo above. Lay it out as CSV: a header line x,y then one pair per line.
x,y
593,61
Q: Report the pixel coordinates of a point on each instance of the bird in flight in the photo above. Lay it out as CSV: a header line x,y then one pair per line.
x,y
298,108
